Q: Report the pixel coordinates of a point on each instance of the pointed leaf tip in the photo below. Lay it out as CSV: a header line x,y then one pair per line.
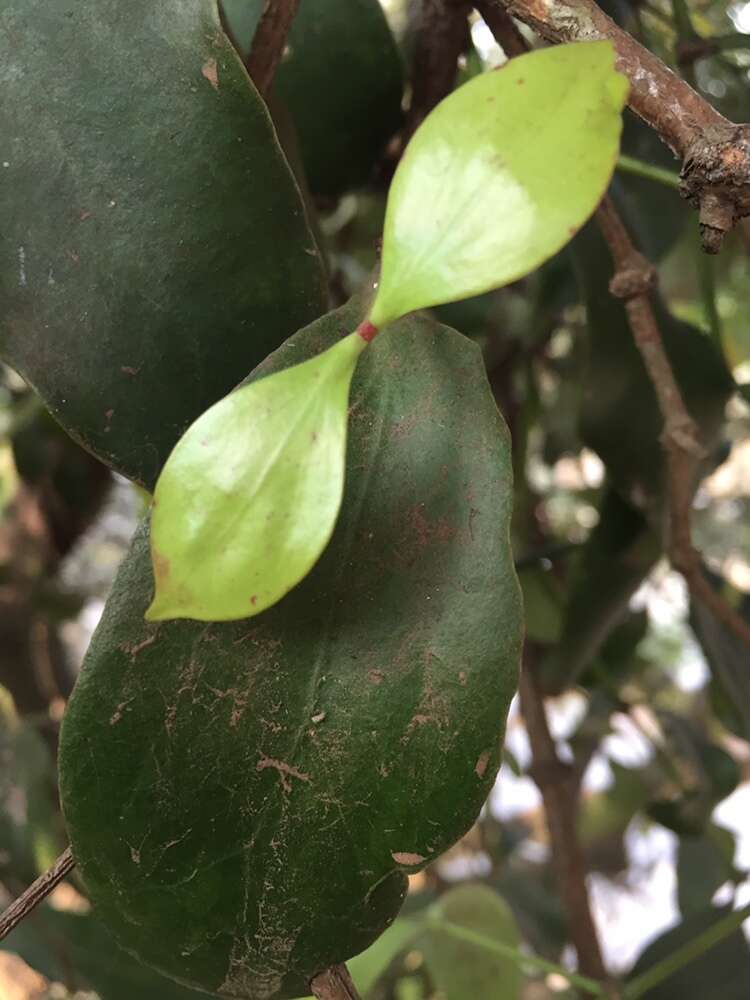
x,y
500,176
250,495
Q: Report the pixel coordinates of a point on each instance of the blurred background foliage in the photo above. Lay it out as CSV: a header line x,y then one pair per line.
x,y
649,694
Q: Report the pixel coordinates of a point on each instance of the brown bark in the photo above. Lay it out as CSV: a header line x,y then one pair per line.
x,y
442,36
715,152
633,280
558,784
334,984
269,42
36,892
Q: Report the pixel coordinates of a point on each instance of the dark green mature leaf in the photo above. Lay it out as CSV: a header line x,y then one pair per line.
x,y
460,970
76,950
342,81
153,244
243,800
721,972
499,176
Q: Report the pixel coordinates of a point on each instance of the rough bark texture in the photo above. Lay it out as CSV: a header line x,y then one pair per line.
x,y
714,151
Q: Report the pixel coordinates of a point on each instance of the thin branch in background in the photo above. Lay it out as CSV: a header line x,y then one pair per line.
x,y
36,892
559,788
334,984
269,42
442,37
503,27
715,152
634,279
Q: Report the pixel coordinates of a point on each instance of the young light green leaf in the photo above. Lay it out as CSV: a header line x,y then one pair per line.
x,y
249,497
499,177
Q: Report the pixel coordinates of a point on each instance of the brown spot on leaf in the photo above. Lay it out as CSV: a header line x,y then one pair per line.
x,y
162,567
407,858
481,765
211,72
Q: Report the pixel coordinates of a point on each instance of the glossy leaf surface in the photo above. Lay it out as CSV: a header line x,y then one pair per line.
x,y
153,243
245,799
248,499
499,176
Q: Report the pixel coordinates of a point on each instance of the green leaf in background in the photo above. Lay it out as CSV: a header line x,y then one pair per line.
x,y
499,176
31,834
369,966
249,497
76,950
726,655
719,973
620,417
704,864
460,969
603,577
154,245
341,80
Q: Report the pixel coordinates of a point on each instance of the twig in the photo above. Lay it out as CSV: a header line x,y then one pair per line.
x,y
269,42
442,36
715,152
558,786
503,27
634,278
35,893
334,984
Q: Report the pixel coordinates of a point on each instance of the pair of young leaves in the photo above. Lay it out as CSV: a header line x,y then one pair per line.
x,y
494,182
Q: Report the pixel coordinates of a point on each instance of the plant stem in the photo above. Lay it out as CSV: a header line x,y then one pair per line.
x,y
559,787
633,281
503,27
269,42
707,278
639,986
35,893
715,152
639,168
442,36
334,984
